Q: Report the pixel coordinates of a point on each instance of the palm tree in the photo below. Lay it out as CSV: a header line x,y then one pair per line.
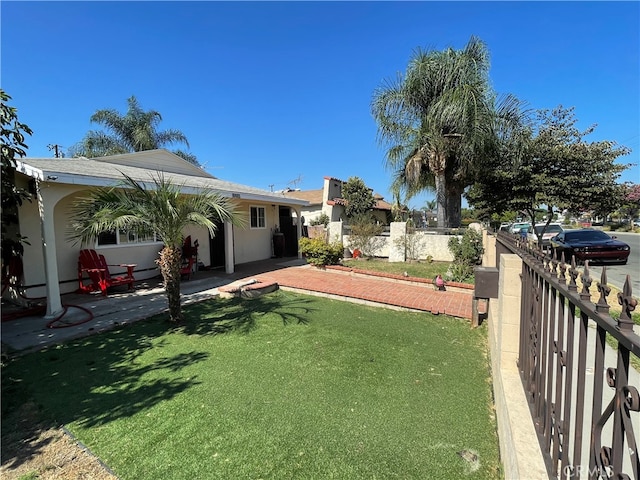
x,y
134,131
163,210
440,118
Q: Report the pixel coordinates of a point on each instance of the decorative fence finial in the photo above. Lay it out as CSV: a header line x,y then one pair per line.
x,y
573,274
585,294
604,289
628,304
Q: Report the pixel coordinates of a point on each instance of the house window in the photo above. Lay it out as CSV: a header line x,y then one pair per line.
x,y
109,237
258,217
123,237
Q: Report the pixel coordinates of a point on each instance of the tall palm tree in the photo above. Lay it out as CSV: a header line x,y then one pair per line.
x,y
161,209
441,118
135,131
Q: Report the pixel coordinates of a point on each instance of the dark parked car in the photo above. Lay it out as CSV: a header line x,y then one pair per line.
x,y
588,244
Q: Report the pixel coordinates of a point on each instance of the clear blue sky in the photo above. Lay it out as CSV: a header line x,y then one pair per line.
x,y
277,94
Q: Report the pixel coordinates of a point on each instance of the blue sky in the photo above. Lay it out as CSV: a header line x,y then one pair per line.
x,y
277,94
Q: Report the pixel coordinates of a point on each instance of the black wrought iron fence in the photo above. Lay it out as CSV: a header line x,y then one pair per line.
x,y
575,362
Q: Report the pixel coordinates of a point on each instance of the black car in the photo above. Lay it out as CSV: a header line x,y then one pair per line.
x,y
588,244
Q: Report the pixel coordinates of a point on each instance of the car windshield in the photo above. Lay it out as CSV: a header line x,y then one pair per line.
x,y
587,236
549,229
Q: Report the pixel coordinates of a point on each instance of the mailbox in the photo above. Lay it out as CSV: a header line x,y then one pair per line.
x,y
486,282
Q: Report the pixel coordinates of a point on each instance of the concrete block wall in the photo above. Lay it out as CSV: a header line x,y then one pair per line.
x,y
519,448
426,244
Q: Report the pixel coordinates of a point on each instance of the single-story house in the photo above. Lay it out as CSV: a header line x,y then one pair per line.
x,y
50,261
329,201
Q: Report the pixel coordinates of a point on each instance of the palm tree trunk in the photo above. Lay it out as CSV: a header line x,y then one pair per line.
x,y
441,199
454,205
170,258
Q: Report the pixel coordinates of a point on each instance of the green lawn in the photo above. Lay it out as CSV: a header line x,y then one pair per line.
x,y
414,269
285,386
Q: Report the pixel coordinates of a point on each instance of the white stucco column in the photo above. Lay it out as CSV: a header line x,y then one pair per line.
x,y
45,208
298,227
335,232
229,264
397,251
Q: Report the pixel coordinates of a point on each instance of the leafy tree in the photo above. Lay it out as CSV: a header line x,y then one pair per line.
x,y
135,131
364,236
13,146
399,209
441,120
359,198
162,210
559,170
631,200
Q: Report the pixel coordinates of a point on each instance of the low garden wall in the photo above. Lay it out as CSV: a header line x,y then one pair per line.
x,y
400,246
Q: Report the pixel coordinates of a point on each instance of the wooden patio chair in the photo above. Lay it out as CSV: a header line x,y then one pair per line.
x,y
189,257
100,279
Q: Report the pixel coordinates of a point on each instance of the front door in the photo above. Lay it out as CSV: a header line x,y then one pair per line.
x,y
216,247
290,232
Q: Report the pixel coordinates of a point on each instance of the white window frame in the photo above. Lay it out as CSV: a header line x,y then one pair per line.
x,y
258,209
118,236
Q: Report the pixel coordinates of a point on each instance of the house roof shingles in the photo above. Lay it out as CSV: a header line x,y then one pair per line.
x,y
101,172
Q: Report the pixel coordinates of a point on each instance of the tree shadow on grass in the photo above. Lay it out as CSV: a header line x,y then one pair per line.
x,y
114,375
220,316
91,382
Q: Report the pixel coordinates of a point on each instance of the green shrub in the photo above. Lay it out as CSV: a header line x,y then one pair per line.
x,y
323,219
467,253
363,235
320,253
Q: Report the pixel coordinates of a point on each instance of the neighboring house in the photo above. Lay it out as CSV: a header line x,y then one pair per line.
x,y
329,201
51,259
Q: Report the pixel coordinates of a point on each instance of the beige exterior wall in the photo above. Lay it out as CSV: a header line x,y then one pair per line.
x,y
311,213
250,244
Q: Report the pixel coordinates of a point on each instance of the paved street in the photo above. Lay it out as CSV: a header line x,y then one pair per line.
x,y
617,274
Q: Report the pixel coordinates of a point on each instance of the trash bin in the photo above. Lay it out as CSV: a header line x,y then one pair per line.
x,y
278,244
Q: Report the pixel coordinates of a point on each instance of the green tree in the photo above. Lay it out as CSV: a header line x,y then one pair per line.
x,y
135,131
13,146
359,198
630,207
163,210
443,118
399,209
560,170
430,205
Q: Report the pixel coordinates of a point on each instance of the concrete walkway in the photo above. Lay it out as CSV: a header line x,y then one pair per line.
x,y
148,299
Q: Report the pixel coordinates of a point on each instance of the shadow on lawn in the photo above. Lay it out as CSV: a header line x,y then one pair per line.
x,y
220,316
102,378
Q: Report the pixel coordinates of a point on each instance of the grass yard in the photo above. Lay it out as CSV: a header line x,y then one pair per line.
x,y
285,386
414,269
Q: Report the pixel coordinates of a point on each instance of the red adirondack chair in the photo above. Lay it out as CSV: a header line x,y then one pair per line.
x,y
189,257
96,268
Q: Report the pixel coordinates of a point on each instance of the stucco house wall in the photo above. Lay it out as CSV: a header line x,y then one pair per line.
x,y
328,200
45,220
